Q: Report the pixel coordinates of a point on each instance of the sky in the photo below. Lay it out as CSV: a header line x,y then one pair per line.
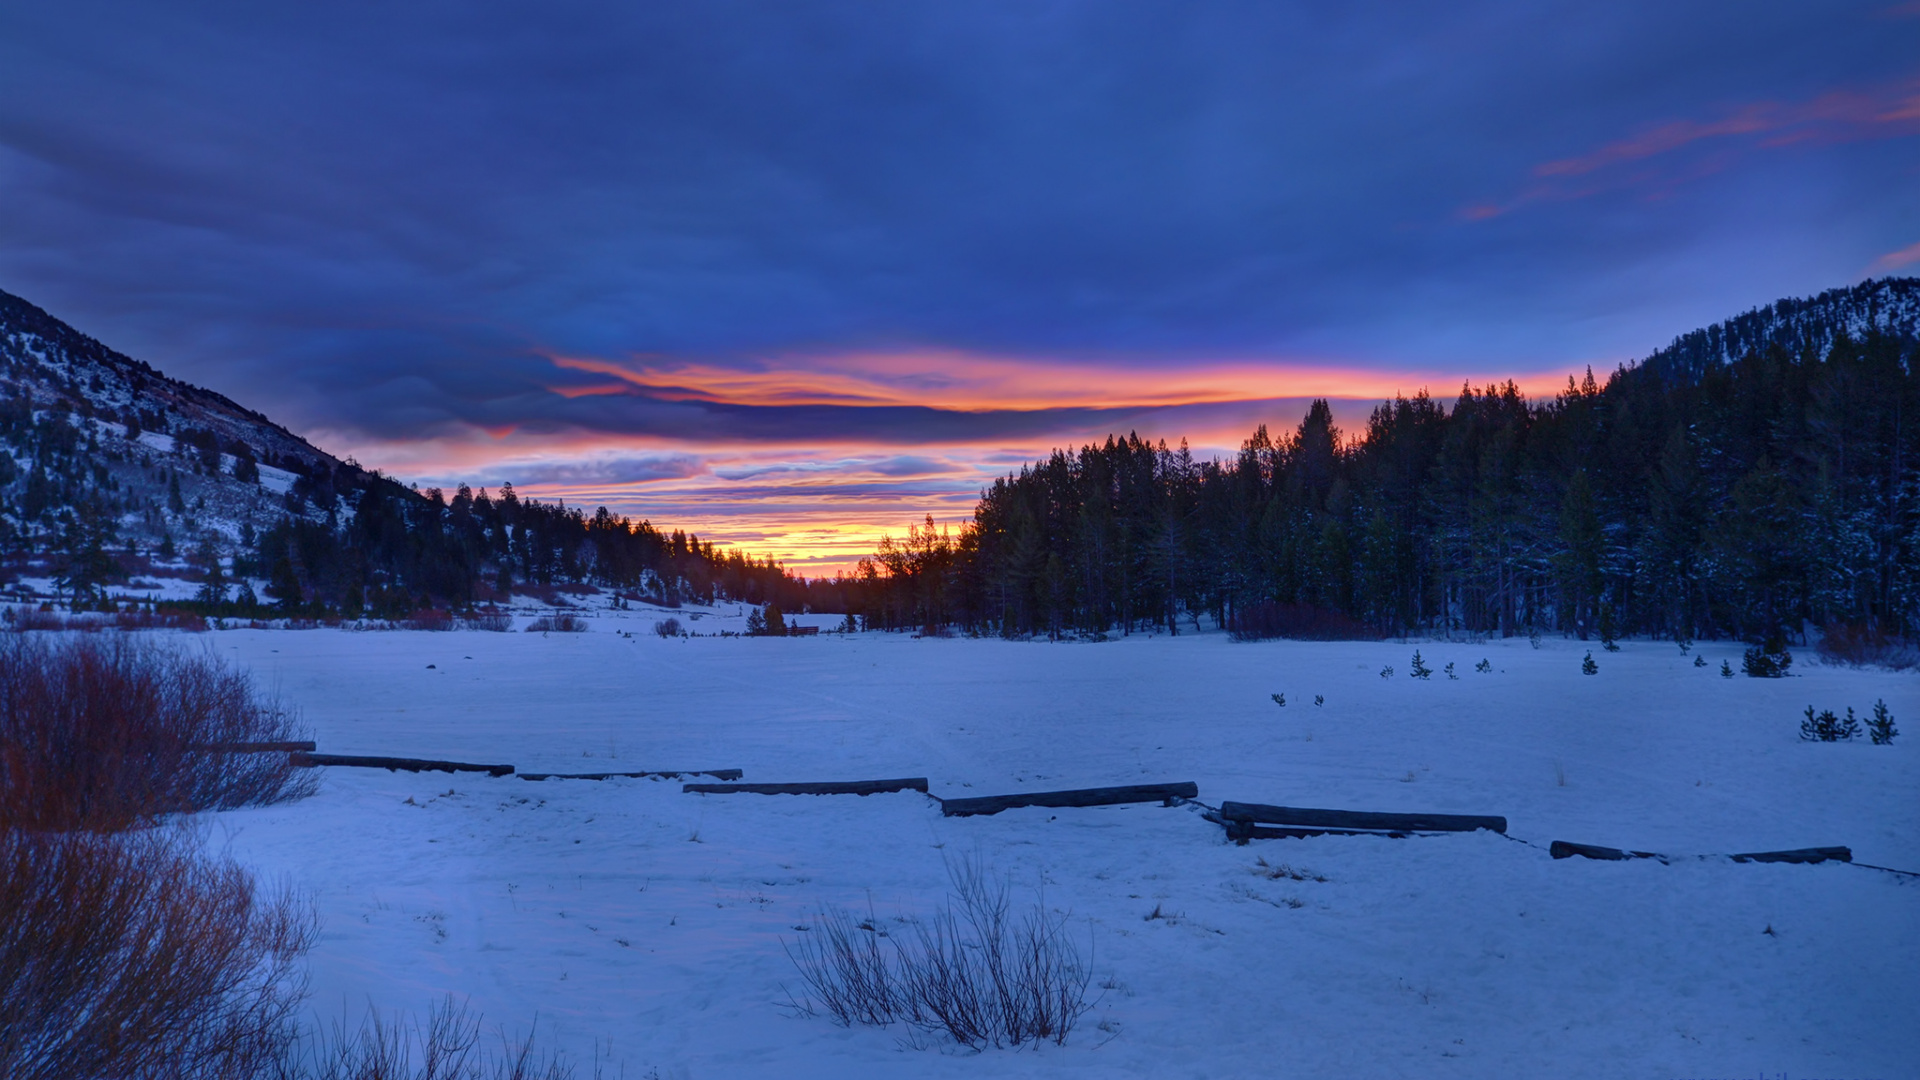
x,y
796,275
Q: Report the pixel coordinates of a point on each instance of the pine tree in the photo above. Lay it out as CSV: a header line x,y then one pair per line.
x,y
1588,667
1726,670
1699,661
776,622
1450,673
1419,670
1485,666
756,623
1880,728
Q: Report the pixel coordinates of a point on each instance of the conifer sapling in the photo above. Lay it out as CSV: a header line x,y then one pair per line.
x,y
1699,661
1726,670
1484,666
1419,670
1588,667
1880,728
1280,700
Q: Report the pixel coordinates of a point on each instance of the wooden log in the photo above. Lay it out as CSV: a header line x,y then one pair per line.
x,y
1104,796
306,760
1304,817
1567,849
1799,855
664,774
257,747
842,787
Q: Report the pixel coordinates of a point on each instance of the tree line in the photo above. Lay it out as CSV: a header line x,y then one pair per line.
x,y
1680,499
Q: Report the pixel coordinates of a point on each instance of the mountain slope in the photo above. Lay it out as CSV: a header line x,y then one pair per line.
x,y
1803,327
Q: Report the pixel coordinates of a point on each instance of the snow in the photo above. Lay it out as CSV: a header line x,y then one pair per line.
x,y
628,914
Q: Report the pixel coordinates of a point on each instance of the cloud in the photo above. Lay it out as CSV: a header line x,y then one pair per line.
x,y
1888,111
620,470
1894,260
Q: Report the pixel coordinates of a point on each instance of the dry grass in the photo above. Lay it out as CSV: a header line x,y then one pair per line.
x,y
103,733
561,623
128,956
498,622
446,1047
973,970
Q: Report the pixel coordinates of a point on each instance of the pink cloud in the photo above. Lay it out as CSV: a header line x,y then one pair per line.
x,y
1894,260
1885,112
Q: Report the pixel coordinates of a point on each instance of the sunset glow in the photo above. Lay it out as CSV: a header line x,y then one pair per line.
x,y
823,503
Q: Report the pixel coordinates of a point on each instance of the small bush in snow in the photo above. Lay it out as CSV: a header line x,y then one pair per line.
x,y
973,970
1588,667
561,623
1768,661
1449,670
1319,699
667,628
1484,666
1699,661
498,622
1826,727
1419,670
1280,700
1726,670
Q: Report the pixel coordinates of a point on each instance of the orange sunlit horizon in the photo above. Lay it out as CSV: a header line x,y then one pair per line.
x,y
819,501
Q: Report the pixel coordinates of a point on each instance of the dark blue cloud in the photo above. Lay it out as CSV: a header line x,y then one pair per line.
x,y
379,218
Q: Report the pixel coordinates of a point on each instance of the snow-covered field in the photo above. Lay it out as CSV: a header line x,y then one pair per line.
x,y
627,913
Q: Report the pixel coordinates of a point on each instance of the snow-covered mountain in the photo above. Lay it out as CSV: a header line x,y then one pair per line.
x,y
1889,306
99,450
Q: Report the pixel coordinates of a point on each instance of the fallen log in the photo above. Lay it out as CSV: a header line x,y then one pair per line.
x,y
1358,820
1798,855
1566,849
663,774
308,760
1103,796
257,747
841,787
1240,830
1562,849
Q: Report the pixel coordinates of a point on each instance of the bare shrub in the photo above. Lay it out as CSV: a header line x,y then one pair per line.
x,y
560,622
1866,645
427,620
445,1047
667,628
498,622
162,619
128,956
973,970
103,732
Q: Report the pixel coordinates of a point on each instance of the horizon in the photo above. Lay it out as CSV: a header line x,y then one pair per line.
x,y
796,280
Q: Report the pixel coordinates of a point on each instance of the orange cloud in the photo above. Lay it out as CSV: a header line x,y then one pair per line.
x,y
965,382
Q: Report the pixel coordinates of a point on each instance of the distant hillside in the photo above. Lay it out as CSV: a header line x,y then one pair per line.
x,y
1804,328
119,481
